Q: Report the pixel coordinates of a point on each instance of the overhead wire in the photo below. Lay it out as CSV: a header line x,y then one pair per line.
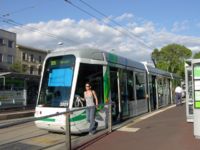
x,y
33,29
104,15
22,9
127,32
88,13
4,19
17,11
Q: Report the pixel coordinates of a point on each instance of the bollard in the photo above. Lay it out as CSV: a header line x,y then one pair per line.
x,y
68,131
110,117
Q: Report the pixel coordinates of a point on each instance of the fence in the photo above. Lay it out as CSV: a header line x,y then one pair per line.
x,y
10,99
69,144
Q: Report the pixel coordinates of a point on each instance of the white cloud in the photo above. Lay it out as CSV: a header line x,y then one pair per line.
x,y
139,30
125,16
92,33
195,48
180,26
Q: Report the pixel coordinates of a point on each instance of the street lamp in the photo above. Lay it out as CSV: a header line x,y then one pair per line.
x,y
60,43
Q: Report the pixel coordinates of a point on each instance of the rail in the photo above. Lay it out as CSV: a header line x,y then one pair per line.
x,y
107,107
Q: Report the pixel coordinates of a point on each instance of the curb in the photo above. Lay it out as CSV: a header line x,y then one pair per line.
x,y
16,115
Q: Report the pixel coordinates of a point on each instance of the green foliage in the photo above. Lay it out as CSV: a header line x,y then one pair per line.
x,y
196,55
17,67
171,58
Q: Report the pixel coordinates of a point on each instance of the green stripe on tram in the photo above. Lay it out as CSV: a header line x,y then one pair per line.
x,y
48,119
80,117
106,81
113,58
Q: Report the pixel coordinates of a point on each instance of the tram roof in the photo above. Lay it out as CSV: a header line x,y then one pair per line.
x,y
97,54
156,71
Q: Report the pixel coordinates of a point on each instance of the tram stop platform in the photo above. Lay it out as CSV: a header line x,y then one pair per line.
x,y
166,129
14,114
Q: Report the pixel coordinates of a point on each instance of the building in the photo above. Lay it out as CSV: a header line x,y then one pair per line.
x,y
30,58
20,69
7,49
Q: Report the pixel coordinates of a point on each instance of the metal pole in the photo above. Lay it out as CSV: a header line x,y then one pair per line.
x,y
156,93
110,117
4,80
68,131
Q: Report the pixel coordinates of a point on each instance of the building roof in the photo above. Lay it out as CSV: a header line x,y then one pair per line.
x,y
7,31
31,48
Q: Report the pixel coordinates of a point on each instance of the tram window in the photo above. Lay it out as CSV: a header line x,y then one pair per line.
x,y
130,85
57,81
94,75
140,85
123,78
114,88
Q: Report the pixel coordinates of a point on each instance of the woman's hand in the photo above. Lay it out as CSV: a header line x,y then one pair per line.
x,y
82,99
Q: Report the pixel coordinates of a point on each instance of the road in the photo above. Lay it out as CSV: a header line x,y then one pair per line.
x,y
28,136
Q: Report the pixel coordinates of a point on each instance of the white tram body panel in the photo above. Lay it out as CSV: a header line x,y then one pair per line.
x,y
132,89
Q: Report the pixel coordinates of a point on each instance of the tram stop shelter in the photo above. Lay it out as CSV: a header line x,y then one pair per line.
x,y
18,89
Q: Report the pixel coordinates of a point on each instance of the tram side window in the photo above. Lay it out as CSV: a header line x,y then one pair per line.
x,y
123,90
140,85
94,75
130,85
113,84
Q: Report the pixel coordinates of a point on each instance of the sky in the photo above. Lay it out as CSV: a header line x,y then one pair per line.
x,y
132,28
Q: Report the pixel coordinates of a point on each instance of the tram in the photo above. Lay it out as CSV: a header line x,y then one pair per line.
x,y
132,87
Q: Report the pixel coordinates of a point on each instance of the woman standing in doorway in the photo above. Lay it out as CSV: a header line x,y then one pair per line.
x,y
91,101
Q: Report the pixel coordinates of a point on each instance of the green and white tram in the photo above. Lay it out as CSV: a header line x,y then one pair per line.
x,y
131,86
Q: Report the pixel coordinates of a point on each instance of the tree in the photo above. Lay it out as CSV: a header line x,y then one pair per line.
x,y
171,58
17,67
196,55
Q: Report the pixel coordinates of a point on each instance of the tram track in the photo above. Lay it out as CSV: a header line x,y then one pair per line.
x,y
29,136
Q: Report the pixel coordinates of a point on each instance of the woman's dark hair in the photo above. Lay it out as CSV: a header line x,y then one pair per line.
x,y
88,84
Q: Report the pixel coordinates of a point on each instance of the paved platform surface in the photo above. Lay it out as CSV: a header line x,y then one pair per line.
x,y
167,130
16,114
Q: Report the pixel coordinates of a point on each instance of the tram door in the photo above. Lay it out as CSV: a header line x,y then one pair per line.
x,y
123,93
152,88
118,82
114,94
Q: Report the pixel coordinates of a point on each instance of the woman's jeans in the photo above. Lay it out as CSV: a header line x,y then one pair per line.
x,y
178,98
91,118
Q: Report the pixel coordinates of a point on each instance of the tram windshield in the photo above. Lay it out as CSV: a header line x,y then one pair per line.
x,y
57,81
